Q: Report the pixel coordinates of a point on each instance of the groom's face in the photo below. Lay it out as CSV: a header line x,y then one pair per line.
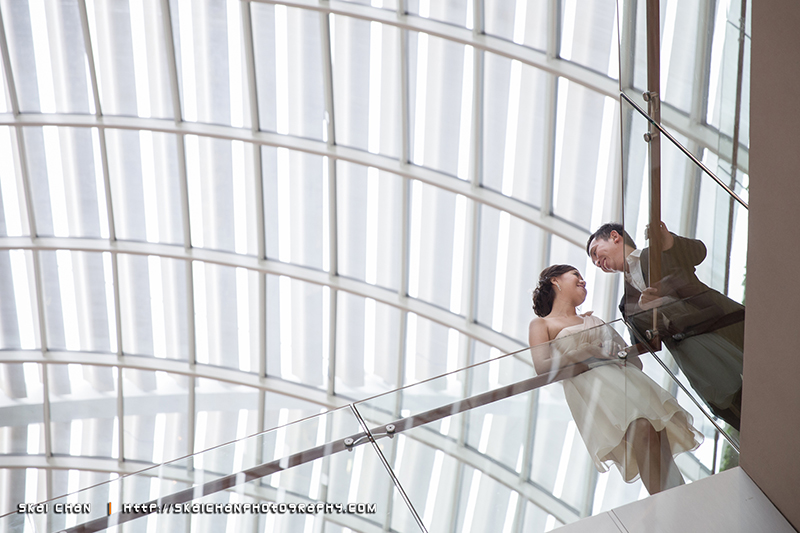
x,y
608,254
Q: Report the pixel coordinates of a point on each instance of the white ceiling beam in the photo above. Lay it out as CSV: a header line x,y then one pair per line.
x,y
442,316
482,195
174,366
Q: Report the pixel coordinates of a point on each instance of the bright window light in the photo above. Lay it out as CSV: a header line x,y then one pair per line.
x,y
235,62
41,51
8,185
375,61
140,66
281,70
421,97
188,75
465,130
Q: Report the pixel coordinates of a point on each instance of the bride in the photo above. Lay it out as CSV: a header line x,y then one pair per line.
x,y
623,416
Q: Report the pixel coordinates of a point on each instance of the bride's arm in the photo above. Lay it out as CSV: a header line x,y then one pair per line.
x,y
545,359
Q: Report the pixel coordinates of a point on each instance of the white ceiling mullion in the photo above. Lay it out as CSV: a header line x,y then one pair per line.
x,y
475,176
258,184
48,436
405,209
112,230
704,135
26,185
702,65
402,35
360,288
190,421
37,276
527,455
172,67
390,451
691,196
176,366
31,220
462,35
551,96
627,36
12,89
87,41
258,191
247,27
697,114
327,76
333,235
405,205
473,237
331,377
120,416
478,18
333,226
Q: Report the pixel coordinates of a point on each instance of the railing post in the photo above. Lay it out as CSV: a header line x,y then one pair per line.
x,y
653,99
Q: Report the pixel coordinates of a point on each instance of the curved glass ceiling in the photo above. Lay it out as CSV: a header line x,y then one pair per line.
x,y
218,211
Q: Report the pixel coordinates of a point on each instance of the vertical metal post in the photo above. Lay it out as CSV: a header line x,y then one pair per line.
x,y
737,113
653,99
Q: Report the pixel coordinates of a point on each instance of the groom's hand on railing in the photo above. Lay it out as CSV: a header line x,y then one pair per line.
x,y
667,240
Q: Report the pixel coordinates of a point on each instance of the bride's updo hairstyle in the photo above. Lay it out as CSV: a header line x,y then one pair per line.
x,y
545,293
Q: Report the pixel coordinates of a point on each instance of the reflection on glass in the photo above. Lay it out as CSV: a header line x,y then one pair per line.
x,y
525,431
701,326
623,417
298,477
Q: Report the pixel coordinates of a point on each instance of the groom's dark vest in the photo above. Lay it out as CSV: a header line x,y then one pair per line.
x,y
698,309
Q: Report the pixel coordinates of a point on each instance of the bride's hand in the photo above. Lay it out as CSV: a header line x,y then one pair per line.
x,y
596,351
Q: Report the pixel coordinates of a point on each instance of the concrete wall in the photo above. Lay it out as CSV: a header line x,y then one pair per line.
x,y
770,436
728,502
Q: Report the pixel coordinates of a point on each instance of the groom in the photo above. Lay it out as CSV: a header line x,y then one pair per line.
x,y
702,328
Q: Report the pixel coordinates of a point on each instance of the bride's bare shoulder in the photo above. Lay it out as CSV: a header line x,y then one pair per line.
x,y
538,331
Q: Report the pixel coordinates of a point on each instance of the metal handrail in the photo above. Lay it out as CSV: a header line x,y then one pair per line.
x,y
370,436
686,152
318,452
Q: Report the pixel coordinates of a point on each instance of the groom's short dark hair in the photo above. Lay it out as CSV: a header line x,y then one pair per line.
x,y
604,233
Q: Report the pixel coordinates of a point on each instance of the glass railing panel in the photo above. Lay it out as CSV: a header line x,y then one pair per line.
x,y
729,83
715,453
695,307
495,443
682,46
299,477
704,71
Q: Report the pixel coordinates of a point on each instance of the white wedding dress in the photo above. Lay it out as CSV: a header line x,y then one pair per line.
x,y
607,398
